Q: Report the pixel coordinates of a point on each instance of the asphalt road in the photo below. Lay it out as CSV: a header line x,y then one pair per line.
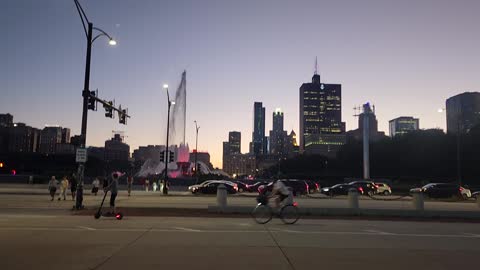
x,y
81,242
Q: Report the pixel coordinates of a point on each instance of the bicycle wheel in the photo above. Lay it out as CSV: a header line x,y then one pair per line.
x,y
289,214
262,214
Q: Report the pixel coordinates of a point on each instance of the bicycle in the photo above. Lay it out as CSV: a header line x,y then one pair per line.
x,y
263,212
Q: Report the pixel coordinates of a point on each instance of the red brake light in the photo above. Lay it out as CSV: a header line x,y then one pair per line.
x,y
361,189
461,189
316,184
295,204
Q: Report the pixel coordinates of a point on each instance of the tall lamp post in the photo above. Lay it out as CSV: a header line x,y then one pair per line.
x,y
458,142
88,28
196,151
167,151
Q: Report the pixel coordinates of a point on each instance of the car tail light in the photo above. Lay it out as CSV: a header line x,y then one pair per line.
x,y
360,189
316,184
295,204
460,189
377,186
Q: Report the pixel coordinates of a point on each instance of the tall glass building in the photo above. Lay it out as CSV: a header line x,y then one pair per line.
x,y
259,144
463,112
403,125
321,114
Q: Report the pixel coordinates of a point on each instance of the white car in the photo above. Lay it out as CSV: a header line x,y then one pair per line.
x,y
383,189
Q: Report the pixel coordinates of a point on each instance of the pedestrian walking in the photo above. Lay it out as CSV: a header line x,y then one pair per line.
x,y
154,186
95,186
161,186
52,187
63,188
73,187
147,185
129,184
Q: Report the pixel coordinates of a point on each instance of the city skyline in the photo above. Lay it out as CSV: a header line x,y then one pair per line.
x,y
45,53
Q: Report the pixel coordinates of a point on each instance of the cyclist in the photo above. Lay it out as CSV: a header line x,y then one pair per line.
x,y
280,191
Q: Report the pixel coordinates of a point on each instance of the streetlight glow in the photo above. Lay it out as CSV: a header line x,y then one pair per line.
x,y
441,110
112,42
173,102
165,86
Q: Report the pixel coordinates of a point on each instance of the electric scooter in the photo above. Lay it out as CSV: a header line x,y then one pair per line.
x,y
99,213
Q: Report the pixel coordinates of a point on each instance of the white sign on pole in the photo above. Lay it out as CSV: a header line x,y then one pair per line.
x,y
81,155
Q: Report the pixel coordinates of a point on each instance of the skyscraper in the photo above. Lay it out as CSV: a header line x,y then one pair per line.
x,y
320,115
49,138
463,112
6,120
278,136
117,149
403,125
258,145
235,142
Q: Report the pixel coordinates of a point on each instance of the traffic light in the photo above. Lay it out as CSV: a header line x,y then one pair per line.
x,y
162,156
198,170
123,117
171,156
108,109
1,164
92,102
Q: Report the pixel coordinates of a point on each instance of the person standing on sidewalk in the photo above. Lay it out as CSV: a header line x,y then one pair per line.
x,y
129,184
63,188
147,185
113,187
52,187
95,186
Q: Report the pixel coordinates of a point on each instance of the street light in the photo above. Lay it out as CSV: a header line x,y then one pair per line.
x,y
458,137
196,151
88,28
170,103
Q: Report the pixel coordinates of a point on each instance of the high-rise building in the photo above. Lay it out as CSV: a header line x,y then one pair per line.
x,y
116,149
258,145
6,120
278,136
239,164
203,157
144,153
65,135
463,112
235,142
320,114
23,139
403,125
50,136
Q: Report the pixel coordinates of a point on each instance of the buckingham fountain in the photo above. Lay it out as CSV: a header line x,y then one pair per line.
x,y
181,167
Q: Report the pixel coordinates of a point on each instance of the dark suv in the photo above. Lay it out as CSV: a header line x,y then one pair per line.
x,y
444,190
367,187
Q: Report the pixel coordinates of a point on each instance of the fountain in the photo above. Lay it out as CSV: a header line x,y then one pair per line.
x,y
182,167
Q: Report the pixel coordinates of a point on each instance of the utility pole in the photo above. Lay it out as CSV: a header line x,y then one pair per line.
x,y
196,151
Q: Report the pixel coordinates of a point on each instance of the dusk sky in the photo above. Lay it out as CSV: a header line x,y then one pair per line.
x,y
406,57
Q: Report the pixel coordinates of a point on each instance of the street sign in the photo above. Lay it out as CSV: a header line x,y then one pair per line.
x,y
81,155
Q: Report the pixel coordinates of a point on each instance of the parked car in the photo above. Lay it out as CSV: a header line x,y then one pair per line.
x,y
476,194
383,189
312,186
241,186
254,187
444,190
194,187
368,187
298,187
211,187
339,189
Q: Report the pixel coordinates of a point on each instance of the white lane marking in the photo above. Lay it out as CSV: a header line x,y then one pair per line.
x,y
472,234
86,228
379,232
284,230
187,229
